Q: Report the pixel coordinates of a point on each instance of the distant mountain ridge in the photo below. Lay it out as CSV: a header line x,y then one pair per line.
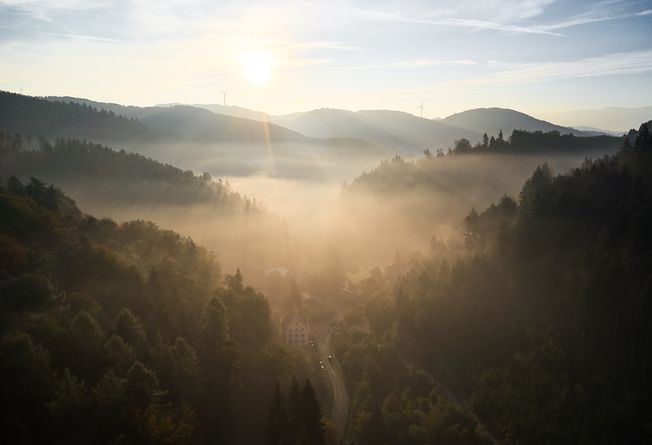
x,y
189,123
367,133
493,120
404,132
37,117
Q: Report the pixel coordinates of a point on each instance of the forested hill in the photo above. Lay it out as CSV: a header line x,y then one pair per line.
x,y
397,175
492,120
109,123
522,142
195,124
130,186
35,117
415,198
544,328
122,333
114,176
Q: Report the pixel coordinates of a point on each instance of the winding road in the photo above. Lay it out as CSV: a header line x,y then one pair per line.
x,y
340,411
323,333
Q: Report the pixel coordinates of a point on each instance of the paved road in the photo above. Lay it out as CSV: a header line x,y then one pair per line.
x,y
340,410
323,333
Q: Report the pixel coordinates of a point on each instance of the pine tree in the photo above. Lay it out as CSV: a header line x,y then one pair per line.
x,y
311,415
214,324
294,407
129,327
277,430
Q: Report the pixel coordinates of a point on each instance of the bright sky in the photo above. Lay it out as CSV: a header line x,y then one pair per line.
x,y
284,56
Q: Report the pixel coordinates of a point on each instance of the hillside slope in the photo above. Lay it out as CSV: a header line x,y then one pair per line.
x,y
492,120
190,123
37,117
402,132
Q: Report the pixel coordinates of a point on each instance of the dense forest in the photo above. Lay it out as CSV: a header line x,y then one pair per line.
x,y
135,126
126,185
417,197
124,333
38,117
540,332
397,175
524,321
523,142
115,176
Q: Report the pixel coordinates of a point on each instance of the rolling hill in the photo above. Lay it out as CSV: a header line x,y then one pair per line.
x,y
492,120
235,111
403,132
38,117
188,123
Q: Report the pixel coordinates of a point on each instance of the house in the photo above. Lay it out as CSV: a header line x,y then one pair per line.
x,y
295,329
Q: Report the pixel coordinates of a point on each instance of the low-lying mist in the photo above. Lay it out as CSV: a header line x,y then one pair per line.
x,y
324,207
400,206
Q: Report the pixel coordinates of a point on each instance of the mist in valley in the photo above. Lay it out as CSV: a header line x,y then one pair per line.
x,y
324,208
325,223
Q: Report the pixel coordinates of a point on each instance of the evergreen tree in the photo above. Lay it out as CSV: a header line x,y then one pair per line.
x,y
294,407
311,415
234,282
129,327
214,324
277,430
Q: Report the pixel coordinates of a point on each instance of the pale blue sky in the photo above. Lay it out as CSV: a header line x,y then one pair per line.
x,y
533,55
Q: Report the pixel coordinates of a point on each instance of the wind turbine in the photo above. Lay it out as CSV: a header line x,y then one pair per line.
x,y
421,108
224,97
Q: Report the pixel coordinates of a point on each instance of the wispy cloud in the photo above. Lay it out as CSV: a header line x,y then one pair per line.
x,y
91,38
317,44
459,22
415,63
608,65
302,61
578,21
436,19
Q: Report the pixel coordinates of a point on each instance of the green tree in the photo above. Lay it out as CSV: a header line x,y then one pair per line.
x,y
129,328
234,282
214,329
311,415
278,428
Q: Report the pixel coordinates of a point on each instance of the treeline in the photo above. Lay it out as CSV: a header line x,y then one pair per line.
x,y
543,328
131,186
115,176
391,401
124,333
405,173
38,117
531,142
295,417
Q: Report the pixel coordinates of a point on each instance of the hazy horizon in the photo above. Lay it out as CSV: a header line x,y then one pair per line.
x,y
292,56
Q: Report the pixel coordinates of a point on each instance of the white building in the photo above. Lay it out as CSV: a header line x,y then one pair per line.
x,y
295,330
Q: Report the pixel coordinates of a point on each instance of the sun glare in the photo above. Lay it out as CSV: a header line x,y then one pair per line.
x,y
256,67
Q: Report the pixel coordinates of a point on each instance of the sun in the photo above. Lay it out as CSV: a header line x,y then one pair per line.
x,y
257,67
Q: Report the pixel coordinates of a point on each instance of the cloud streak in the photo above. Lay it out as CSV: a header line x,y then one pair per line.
x,y
624,63
415,63
458,22
551,29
